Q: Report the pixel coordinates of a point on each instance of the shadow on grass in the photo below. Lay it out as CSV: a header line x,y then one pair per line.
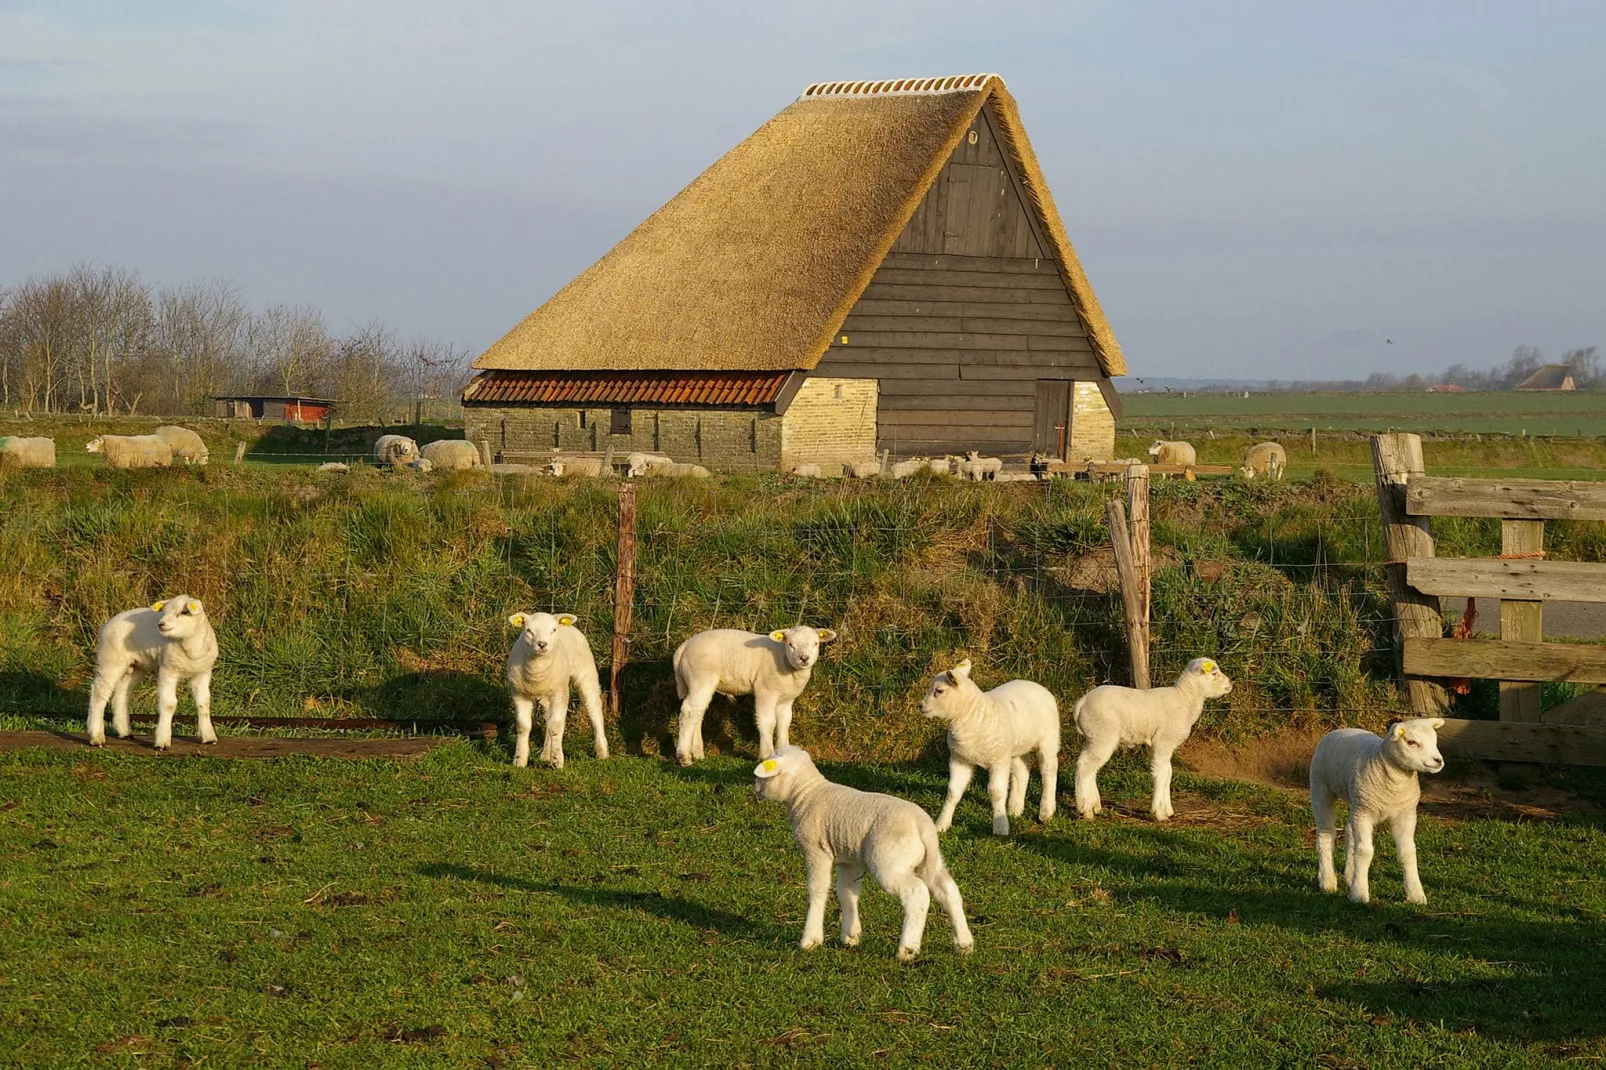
x,y
28,692
668,907
1550,973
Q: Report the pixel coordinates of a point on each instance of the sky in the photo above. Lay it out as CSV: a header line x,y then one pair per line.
x,y
1257,188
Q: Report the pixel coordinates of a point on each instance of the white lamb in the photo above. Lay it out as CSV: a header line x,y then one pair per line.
x,y
639,463
996,730
395,449
185,444
676,469
132,451
174,640
334,466
420,464
451,453
549,655
853,831
975,467
1265,457
1163,452
808,471
1160,719
912,466
17,452
569,465
773,668
1378,778
862,469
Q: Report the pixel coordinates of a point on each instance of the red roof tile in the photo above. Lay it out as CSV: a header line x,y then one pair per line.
x,y
624,388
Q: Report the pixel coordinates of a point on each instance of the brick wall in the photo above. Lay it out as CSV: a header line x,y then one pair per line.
x,y
830,422
727,440
1092,425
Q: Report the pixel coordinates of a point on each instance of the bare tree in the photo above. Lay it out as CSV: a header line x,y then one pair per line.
x,y
200,331
1585,365
289,348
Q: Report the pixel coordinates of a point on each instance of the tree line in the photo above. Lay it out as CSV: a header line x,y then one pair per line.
x,y
1525,360
99,339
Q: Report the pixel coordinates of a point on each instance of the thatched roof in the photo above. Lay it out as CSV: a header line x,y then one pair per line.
x,y
1548,377
755,265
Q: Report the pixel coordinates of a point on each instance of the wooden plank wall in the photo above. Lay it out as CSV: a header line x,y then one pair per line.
x,y
964,316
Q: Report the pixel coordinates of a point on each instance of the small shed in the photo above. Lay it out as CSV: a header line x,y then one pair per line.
x,y
1550,377
294,409
879,267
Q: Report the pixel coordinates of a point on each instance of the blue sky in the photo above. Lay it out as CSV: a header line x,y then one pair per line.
x,y
1257,189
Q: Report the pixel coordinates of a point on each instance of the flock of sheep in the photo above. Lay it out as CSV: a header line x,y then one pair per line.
x,y
839,828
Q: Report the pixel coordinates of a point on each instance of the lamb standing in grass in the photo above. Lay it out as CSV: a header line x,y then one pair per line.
x,y
549,655
131,451
17,452
185,444
853,831
1267,458
395,450
773,668
996,730
1164,452
1378,778
451,453
1160,719
174,640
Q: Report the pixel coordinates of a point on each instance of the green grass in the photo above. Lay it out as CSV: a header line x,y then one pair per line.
x,y
459,912
1474,412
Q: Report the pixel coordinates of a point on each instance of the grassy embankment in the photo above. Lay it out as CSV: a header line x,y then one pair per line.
x,y
1515,413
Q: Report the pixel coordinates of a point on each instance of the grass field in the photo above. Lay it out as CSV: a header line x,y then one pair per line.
x,y
1474,412
459,912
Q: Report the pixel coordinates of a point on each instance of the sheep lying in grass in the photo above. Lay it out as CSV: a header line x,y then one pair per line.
x,y
451,453
808,471
639,463
1160,719
549,655
675,469
420,464
862,469
131,451
853,832
17,452
1378,778
395,449
174,640
1164,452
571,465
334,466
1268,458
996,730
185,444
773,668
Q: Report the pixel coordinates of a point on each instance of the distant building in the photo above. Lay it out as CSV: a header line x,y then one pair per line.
x,y
879,267
298,410
1447,388
1550,377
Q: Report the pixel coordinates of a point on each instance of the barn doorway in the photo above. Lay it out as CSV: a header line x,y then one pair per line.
x,y
1051,429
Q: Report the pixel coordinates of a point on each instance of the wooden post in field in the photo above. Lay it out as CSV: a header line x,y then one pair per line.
x,y
606,471
1137,503
1121,541
239,452
1521,622
1313,440
1395,459
485,452
624,590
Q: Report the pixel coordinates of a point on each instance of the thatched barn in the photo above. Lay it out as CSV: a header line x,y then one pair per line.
x,y
878,267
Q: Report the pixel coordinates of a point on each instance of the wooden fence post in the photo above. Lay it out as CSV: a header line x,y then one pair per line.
x,y
624,591
1137,499
1521,622
485,452
1395,459
1121,541
239,452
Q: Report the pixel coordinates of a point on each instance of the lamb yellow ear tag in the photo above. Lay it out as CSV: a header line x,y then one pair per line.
x,y
1399,731
1207,666
193,606
565,619
156,607
517,620
767,768
778,635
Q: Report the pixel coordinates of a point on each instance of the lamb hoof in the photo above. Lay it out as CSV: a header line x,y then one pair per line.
x,y
811,942
850,940
163,746
1000,826
210,737
1328,886
1360,897
97,741
1419,899
685,760
521,763
907,954
965,947
1016,811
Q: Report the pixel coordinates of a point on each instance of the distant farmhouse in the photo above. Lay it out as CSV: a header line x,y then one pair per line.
x,y
878,267
292,409
1550,377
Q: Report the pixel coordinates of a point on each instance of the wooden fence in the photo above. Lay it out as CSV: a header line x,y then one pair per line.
x,y
1521,579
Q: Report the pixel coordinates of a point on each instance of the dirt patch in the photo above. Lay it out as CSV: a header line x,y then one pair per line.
x,y
1478,796
1279,759
1094,572
1193,811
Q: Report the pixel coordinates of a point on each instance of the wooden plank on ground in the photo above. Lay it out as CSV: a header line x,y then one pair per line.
x,y
1514,499
1498,659
1533,580
1520,741
231,746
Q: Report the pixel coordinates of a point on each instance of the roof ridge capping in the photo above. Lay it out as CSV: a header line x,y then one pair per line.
x,y
902,87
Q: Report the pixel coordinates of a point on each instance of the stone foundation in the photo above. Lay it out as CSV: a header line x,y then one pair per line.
x,y
1092,425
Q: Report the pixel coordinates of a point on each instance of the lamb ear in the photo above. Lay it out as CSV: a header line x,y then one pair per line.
x,y
1437,722
1399,731
517,620
157,606
193,606
962,669
567,619
826,634
779,635
767,768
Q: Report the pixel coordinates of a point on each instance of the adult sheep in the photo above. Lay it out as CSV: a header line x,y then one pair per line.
x,y
173,639
1265,458
132,451
549,656
451,453
676,469
773,668
17,452
395,450
185,444
1378,778
1164,452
